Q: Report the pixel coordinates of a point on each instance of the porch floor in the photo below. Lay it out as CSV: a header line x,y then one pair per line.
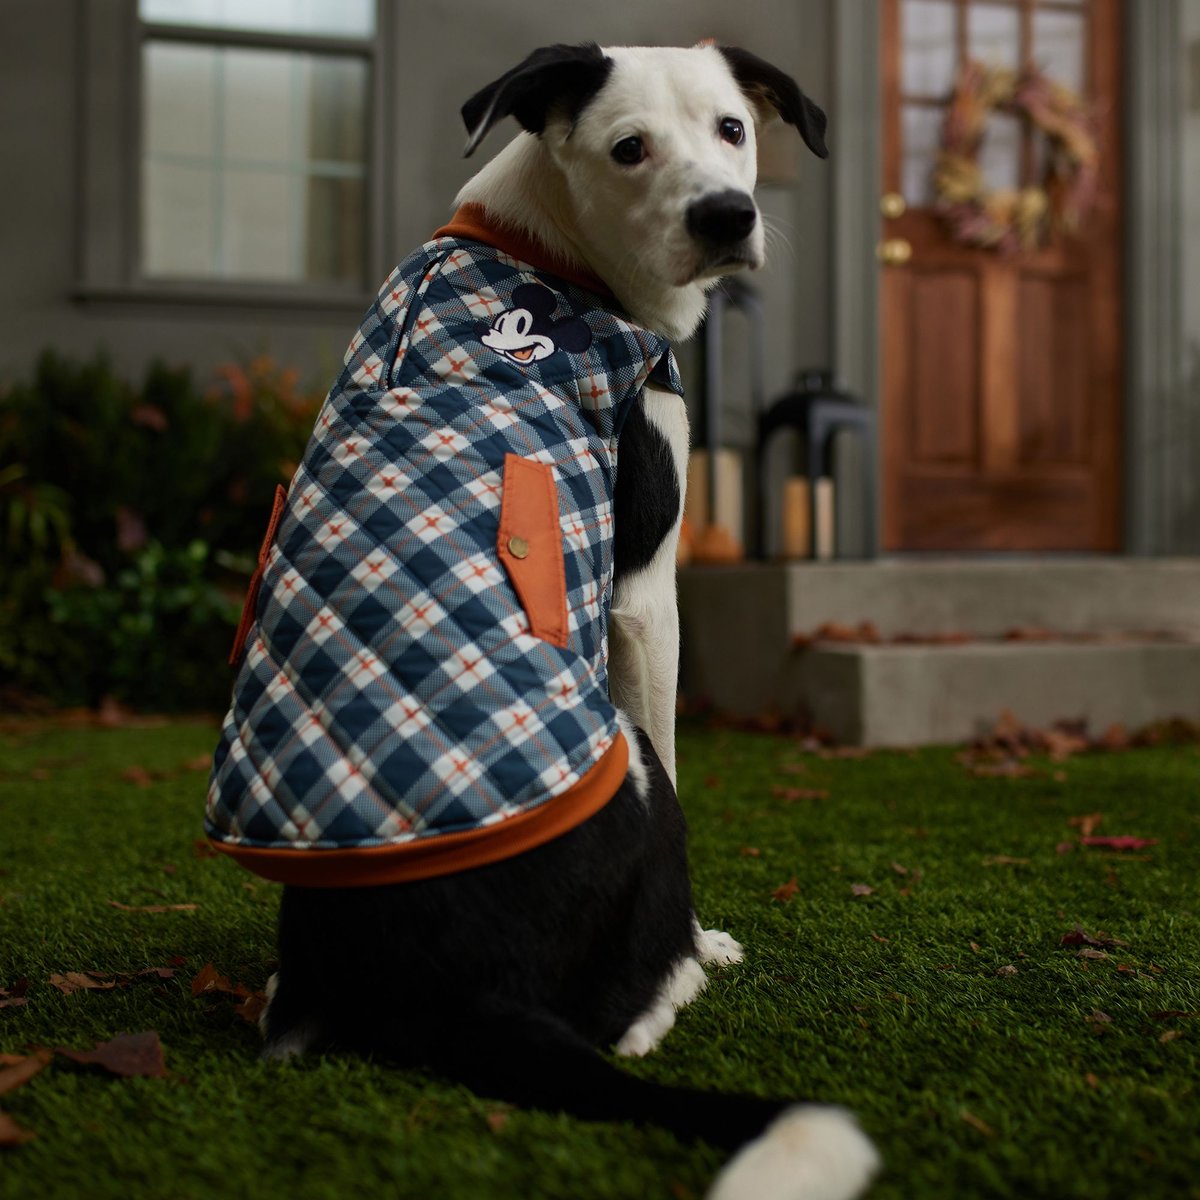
x,y
927,651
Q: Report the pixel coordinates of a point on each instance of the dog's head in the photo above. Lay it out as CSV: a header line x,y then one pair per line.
x,y
655,157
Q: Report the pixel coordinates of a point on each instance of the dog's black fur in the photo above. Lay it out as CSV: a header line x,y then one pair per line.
x,y
511,977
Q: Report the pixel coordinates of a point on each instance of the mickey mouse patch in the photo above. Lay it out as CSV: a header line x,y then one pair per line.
x,y
527,332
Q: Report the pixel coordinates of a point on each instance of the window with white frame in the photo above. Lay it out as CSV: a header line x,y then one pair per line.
x,y
255,156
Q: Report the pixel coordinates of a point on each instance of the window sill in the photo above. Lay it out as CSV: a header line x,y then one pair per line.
x,y
235,297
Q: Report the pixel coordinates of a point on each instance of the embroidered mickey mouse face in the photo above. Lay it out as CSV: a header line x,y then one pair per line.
x,y
526,333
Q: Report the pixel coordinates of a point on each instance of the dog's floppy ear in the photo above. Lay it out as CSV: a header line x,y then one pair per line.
x,y
759,79
573,74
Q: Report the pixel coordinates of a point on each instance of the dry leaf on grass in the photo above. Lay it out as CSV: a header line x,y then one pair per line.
x,y
1119,843
1086,824
795,793
138,776
130,1055
1004,860
750,852
12,1134
1006,971
22,1070
977,1123
210,981
786,891
153,908
862,889
13,996
75,981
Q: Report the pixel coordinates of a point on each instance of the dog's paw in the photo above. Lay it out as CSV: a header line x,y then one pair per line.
x,y
638,1040
271,989
716,946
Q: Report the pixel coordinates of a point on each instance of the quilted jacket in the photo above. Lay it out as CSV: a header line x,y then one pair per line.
x,y
422,684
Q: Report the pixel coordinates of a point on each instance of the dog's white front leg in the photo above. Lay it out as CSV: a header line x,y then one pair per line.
x,y
643,663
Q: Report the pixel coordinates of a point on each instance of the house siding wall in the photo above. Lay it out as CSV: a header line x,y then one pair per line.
x,y
54,235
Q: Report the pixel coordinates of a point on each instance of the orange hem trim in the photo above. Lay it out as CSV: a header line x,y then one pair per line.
x,y
471,221
447,853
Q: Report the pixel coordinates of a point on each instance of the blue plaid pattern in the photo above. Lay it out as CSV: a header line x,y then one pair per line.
x,y
391,689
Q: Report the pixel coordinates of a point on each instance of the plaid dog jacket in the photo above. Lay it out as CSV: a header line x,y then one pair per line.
x,y
423,681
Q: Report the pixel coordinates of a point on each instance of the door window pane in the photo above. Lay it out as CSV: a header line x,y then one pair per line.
x,y
994,34
1059,45
335,18
267,130
1000,153
922,135
930,54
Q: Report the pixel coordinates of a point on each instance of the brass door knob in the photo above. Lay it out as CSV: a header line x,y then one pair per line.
x,y
894,252
892,205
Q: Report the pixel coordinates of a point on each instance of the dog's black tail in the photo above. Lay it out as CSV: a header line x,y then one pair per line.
x,y
787,1152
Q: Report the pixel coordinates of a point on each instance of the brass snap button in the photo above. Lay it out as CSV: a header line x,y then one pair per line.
x,y
518,547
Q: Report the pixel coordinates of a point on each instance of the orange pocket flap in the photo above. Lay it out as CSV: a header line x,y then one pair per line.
x,y
251,601
530,545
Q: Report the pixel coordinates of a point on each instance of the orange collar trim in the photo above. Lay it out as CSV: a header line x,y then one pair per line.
x,y
471,221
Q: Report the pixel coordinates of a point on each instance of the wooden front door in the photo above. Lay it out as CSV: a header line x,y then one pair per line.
x,y
1002,373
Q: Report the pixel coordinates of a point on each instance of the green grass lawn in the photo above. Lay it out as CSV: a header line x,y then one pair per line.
x,y
1061,1077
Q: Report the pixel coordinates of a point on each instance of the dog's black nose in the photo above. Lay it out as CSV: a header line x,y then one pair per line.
x,y
722,217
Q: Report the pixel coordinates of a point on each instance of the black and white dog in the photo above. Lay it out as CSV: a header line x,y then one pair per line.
x,y
638,166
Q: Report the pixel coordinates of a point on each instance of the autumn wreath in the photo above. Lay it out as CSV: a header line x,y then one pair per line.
x,y
1008,219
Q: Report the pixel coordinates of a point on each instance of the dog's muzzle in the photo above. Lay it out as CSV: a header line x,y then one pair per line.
x,y
720,225
723,219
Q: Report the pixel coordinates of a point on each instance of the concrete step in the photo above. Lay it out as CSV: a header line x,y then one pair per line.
x,y
1130,648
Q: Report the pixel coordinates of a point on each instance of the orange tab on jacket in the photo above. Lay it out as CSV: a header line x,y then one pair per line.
x,y
251,602
530,545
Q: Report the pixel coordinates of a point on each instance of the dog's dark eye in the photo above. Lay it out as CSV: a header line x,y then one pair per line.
x,y
629,151
732,131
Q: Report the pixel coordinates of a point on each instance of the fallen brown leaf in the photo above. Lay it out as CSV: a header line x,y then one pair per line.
x,y
1004,860
202,762
1090,952
880,939
75,981
786,891
976,1123
129,1055
1119,843
974,947
1064,847
12,1134
23,1070
1007,970
750,852
252,1007
1170,1035
795,793
138,776
153,908
1086,824
862,889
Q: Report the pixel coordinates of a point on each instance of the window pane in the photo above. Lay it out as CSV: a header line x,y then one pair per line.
x,y
1000,153
994,34
179,226
261,226
336,18
922,133
930,53
180,98
279,137
260,115
1059,42
336,218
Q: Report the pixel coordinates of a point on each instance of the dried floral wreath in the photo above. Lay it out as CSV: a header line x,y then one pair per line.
x,y
1006,219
